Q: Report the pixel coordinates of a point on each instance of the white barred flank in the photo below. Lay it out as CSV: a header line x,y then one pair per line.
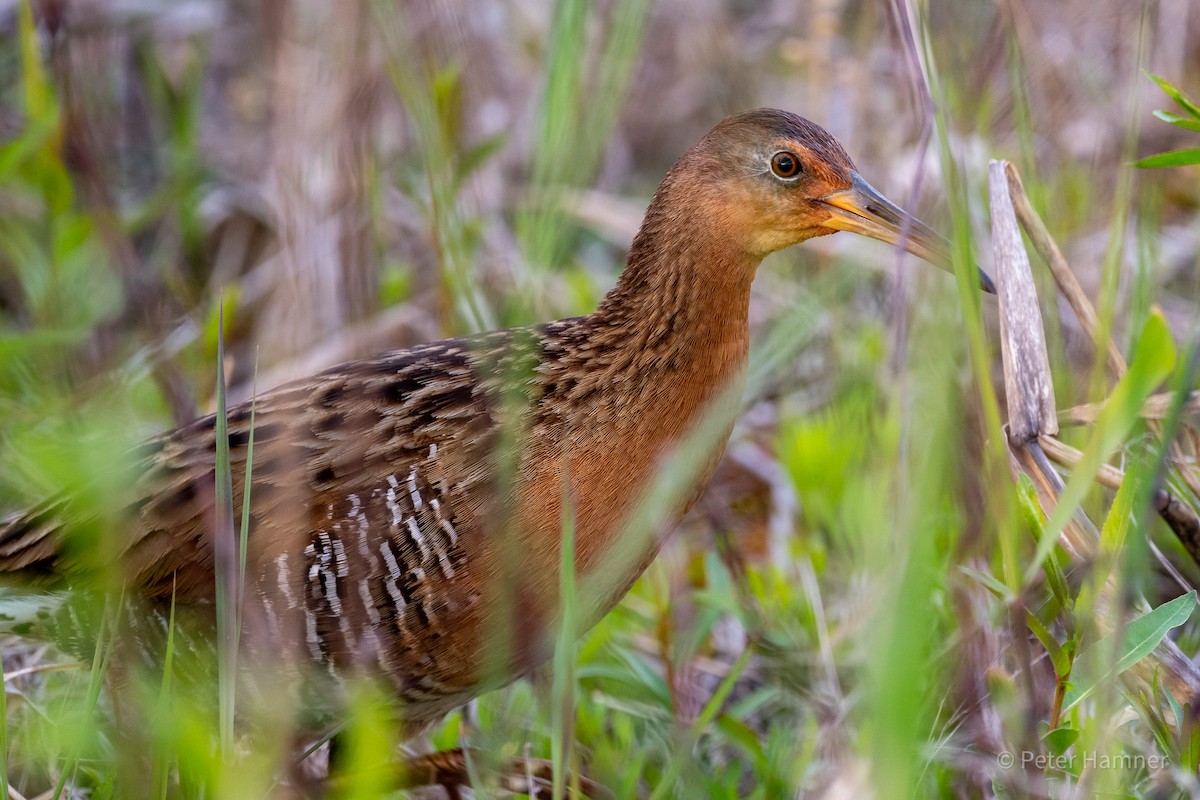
x,y
357,534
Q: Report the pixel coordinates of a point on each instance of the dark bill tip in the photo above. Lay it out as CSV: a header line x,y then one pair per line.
x,y
862,209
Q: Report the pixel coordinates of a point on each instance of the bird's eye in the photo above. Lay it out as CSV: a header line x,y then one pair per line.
x,y
785,164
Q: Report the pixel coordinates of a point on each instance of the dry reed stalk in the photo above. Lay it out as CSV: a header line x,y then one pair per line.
x,y
1033,424
1156,407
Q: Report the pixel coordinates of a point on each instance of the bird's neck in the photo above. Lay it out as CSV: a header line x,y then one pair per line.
x,y
662,357
683,300
671,341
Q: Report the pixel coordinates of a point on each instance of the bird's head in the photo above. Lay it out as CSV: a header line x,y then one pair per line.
x,y
772,179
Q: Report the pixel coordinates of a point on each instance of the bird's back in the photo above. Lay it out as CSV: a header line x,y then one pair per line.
x,y
370,487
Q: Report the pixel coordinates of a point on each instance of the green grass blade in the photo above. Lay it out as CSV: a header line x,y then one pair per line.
x,y
99,669
225,558
1174,158
244,530
1112,543
1175,94
1178,120
162,772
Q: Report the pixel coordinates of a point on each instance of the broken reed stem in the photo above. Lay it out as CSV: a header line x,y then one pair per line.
x,y
1181,518
1067,456
1156,407
1178,515
1028,384
1031,428
1079,535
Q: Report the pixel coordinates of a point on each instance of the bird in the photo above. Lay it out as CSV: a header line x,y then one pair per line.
x,y
406,511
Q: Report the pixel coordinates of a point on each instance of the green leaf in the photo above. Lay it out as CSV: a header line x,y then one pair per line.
x,y
1059,740
1058,656
1141,637
1179,120
1174,158
475,157
1146,632
247,485
1031,508
1173,92
742,735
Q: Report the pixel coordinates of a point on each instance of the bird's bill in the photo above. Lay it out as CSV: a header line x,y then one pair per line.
x,y
863,210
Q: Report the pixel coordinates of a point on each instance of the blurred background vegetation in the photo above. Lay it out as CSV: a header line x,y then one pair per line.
x,y
344,178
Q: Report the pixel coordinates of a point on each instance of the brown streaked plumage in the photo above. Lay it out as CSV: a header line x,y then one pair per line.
x,y
378,541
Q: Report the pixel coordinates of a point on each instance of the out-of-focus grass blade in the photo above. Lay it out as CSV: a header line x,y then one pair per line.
x,y
563,691
996,587
161,767
1141,637
39,97
96,676
1031,512
3,729
1112,541
1152,364
702,722
369,738
572,132
244,532
15,153
675,477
